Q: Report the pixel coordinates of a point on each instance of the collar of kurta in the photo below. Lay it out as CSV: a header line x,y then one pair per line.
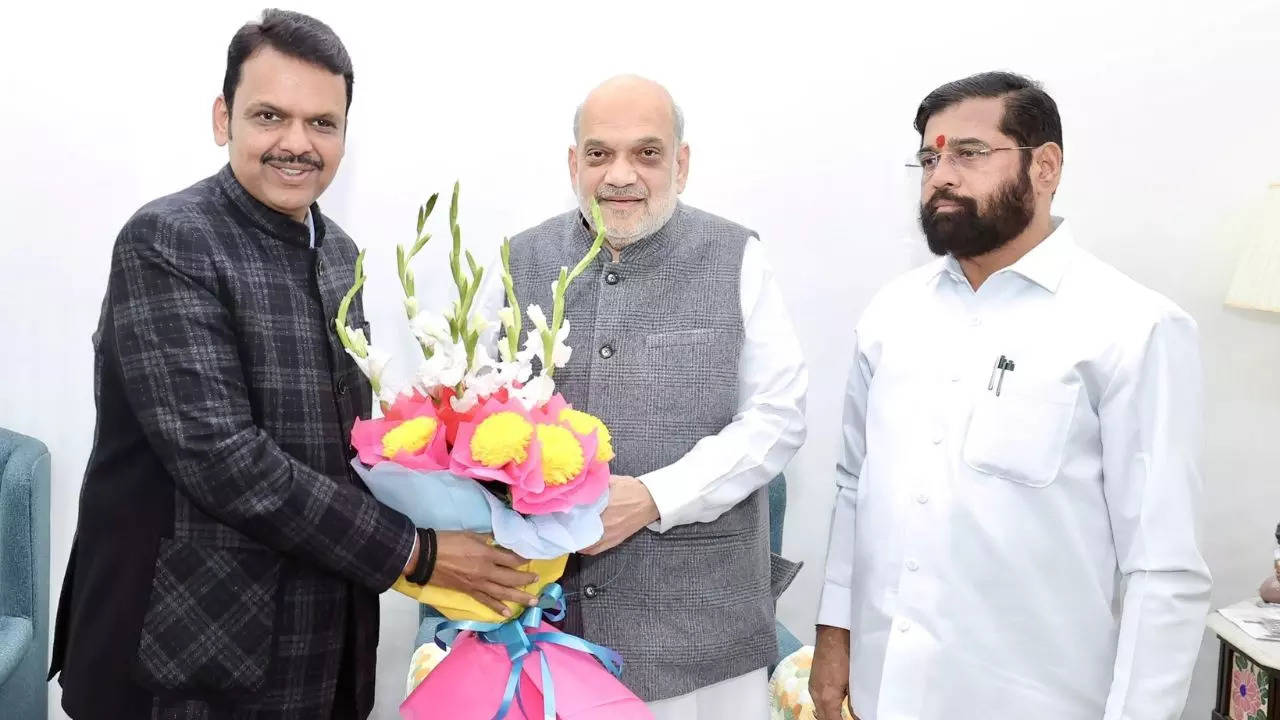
x,y
649,250
1045,264
282,227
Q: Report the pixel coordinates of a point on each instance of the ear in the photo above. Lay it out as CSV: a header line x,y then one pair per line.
x,y
1046,167
682,167
221,122
573,167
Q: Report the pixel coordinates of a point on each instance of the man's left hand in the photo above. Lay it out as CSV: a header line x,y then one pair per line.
x,y
630,509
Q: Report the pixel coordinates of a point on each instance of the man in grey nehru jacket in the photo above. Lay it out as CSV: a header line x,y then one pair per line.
x,y
683,347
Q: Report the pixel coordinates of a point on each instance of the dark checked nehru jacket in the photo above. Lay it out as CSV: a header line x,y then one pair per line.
x,y
226,562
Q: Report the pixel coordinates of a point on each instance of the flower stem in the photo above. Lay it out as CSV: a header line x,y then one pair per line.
x,y
562,286
517,318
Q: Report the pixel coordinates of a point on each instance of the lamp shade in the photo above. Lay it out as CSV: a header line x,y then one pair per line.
x,y
1256,285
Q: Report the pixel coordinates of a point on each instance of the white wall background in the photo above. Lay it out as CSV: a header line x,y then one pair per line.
x,y
799,116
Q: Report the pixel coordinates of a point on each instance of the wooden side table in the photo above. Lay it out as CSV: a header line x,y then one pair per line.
x,y
1248,673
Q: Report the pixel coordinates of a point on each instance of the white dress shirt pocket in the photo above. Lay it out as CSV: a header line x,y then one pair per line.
x,y
1020,435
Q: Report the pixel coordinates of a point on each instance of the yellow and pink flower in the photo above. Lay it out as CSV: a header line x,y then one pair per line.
x,y
553,458
410,434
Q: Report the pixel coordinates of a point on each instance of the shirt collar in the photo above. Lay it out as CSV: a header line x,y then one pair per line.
x,y
1044,265
277,225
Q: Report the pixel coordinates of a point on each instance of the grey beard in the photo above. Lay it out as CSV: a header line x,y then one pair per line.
x,y
621,243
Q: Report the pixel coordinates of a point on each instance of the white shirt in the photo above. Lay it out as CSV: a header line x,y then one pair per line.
x,y
768,428
1031,555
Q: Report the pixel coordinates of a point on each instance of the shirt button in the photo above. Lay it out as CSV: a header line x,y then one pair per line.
x,y
955,378
975,321
904,625
606,352
612,278
912,565
937,437
590,591
922,498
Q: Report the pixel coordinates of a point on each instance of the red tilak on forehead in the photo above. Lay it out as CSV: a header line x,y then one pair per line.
x,y
941,141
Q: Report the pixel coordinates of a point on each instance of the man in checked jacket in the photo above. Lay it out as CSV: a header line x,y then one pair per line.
x,y
227,562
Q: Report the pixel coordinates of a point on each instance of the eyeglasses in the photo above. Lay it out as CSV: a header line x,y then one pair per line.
x,y
963,157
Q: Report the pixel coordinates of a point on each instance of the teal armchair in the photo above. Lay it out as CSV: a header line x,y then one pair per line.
x,y
24,576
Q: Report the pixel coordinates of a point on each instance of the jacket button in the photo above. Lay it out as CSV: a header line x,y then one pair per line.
x,y
612,278
606,352
342,387
590,591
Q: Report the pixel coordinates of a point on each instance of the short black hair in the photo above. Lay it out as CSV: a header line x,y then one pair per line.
x,y
1030,115
294,34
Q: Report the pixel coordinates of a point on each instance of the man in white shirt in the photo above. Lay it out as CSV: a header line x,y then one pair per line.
x,y
1014,531
682,345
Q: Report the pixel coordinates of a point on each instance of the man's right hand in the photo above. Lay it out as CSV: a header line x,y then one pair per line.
x,y
465,561
829,677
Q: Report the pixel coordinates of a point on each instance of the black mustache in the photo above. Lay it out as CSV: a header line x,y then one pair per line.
x,y
969,204
291,159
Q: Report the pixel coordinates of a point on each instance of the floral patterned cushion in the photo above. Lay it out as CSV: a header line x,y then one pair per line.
x,y
424,660
789,688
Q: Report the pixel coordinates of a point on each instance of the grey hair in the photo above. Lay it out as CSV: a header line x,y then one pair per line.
x,y
676,112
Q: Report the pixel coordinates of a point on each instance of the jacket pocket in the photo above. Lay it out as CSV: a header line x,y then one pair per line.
x,y
210,622
696,378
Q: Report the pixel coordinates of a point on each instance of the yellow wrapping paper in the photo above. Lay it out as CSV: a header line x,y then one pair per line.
x,y
460,606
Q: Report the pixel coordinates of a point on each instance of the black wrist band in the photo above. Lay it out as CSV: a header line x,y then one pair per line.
x,y
426,557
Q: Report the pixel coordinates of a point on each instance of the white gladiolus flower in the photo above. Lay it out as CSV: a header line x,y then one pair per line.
x,y
446,368
374,364
536,347
431,330
537,317
536,392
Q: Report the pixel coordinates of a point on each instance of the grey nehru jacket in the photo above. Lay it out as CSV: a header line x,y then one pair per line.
x,y
656,341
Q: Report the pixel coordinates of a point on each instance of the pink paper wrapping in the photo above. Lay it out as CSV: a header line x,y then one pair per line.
x,y
469,683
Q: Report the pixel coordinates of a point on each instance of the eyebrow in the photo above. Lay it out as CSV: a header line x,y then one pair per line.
x,y
259,106
956,141
597,143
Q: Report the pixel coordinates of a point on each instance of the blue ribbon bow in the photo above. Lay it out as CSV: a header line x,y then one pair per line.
x,y
519,643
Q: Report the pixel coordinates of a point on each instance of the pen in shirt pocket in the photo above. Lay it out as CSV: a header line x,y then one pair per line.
x,y
1003,365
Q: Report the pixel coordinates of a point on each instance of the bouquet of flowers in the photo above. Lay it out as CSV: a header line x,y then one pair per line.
x,y
487,445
